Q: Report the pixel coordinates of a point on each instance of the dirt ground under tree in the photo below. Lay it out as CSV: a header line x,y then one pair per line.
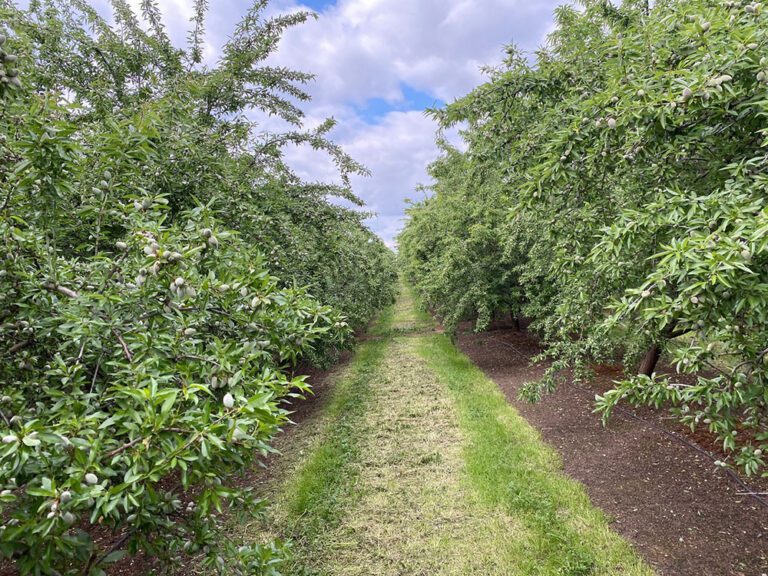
x,y
684,515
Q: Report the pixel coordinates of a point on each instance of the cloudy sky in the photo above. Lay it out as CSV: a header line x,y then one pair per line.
x,y
379,64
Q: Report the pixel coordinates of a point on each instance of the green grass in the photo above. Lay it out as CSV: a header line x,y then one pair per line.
x,y
315,493
326,477
416,465
511,468
406,316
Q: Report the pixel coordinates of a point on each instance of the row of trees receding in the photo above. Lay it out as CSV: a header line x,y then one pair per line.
x,y
163,272
615,191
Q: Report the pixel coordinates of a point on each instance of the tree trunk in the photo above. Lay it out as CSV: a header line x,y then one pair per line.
x,y
651,358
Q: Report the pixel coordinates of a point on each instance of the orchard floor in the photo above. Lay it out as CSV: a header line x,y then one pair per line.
x,y
682,513
413,463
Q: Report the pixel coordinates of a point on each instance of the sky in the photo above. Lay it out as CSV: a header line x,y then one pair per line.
x,y
378,65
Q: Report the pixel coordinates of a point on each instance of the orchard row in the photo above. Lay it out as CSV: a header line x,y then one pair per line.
x,y
164,275
615,192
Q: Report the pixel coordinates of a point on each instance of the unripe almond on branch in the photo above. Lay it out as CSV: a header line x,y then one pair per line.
x,y
746,254
65,496
229,400
206,233
91,479
612,123
69,518
10,439
705,26
121,246
213,242
762,76
687,93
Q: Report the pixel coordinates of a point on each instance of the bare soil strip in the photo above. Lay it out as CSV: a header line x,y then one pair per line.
x,y
682,514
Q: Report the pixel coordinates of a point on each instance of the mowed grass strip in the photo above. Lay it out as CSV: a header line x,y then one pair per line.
x,y
414,512
511,469
406,317
314,496
417,465
313,477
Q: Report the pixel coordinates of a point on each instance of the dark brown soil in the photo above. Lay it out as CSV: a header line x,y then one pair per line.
x,y
684,515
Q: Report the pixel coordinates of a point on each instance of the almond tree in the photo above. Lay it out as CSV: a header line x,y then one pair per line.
x,y
148,353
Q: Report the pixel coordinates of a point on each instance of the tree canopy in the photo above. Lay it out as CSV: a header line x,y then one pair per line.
x,y
164,274
613,191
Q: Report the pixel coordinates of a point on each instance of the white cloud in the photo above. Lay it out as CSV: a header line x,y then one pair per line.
x,y
370,49
363,49
366,49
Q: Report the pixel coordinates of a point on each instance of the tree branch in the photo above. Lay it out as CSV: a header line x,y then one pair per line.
x,y
126,350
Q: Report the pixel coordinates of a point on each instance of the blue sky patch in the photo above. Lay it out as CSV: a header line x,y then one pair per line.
x,y
377,108
318,5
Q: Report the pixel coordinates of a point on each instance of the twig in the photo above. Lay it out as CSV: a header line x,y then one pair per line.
x,y
139,440
94,563
126,350
18,346
61,289
124,447
95,373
